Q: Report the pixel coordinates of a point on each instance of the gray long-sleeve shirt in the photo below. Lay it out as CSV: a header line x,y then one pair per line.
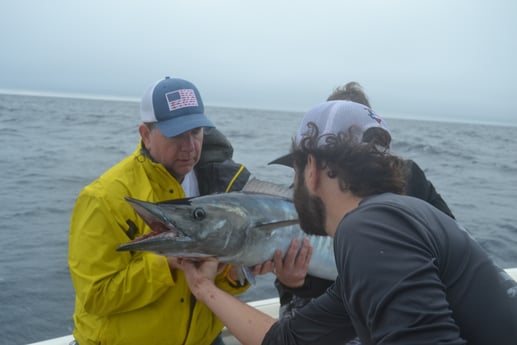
x,y
408,274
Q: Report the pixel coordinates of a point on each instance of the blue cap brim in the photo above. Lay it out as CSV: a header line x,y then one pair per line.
x,y
181,124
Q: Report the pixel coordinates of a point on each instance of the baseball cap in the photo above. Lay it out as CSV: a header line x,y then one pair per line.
x,y
175,106
333,117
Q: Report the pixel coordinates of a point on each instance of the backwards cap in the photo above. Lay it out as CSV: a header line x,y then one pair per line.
x,y
175,106
334,117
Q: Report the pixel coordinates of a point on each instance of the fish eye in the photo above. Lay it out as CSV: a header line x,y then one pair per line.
x,y
198,213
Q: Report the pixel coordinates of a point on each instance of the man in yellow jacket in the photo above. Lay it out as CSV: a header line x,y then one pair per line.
x,y
142,298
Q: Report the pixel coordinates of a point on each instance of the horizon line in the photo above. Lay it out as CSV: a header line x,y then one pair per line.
x,y
85,96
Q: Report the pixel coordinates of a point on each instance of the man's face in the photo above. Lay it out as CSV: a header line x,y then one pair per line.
x,y
178,154
311,210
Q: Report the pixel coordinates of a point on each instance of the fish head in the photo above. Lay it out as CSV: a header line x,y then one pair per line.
x,y
190,228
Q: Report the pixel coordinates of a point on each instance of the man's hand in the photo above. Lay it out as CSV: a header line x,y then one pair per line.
x,y
292,269
199,273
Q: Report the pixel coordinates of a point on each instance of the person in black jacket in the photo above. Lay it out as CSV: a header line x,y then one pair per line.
x,y
295,287
408,273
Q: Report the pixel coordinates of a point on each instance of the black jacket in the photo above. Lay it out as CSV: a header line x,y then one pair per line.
x,y
216,171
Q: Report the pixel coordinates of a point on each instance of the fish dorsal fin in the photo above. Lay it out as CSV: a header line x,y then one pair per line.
x,y
255,185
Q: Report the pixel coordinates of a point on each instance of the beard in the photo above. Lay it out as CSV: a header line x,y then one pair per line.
x,y
311,210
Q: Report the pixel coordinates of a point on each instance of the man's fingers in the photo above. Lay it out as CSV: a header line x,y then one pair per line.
x,y
309,256
221,267
291,255
278,263
263,268
304,255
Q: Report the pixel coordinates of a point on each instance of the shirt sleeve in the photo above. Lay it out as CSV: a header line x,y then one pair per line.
x,y
322,321
312,287
420,187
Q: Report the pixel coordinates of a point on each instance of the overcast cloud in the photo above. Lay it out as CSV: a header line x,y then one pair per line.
x,y
441,59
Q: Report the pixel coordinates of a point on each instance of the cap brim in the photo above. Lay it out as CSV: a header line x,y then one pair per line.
x,y
286,160
182,124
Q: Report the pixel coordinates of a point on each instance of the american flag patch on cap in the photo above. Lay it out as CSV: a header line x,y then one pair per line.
x,y
181,98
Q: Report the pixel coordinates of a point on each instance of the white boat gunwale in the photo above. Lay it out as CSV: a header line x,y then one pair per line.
x,y
269,306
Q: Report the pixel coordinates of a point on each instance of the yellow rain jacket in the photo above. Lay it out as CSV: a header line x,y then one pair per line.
x,y
134,298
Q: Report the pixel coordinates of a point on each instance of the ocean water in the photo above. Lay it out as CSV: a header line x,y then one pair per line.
x,y
51,147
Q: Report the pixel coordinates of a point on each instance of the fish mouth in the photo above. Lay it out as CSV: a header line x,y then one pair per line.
x,y
161,226
159,229
155,217
160,232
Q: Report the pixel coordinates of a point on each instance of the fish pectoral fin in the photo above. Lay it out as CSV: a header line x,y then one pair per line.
x,y
275,225
249,276
244,273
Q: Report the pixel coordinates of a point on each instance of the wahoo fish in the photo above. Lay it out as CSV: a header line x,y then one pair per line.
x,y
242,228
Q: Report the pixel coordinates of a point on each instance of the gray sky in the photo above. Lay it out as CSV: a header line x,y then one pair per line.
x,y
438,59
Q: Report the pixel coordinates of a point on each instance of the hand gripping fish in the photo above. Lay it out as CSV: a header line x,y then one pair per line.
x,y
242,228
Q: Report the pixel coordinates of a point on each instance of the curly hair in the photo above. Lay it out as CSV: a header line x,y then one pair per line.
x,y
351,91
363,168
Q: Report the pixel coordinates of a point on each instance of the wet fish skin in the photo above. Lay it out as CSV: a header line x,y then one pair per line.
x,y
242,228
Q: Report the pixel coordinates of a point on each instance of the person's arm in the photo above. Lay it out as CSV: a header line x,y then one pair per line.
x,y
311,288
246,323
420,187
